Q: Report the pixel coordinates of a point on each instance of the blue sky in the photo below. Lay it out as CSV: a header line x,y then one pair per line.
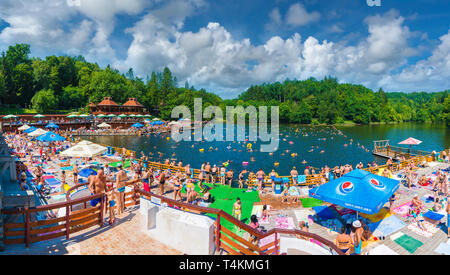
x,y
225,46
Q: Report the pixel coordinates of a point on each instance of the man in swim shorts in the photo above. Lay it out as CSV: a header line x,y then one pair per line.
x,y
97,185
121,178
294,175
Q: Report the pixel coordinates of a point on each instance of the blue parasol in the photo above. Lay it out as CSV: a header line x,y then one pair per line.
x,y
358,190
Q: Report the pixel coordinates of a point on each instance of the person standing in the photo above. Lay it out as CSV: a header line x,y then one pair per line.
x,y
162,181
294,175
121,178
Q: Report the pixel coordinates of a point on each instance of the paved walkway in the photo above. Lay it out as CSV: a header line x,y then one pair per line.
x,y
124,238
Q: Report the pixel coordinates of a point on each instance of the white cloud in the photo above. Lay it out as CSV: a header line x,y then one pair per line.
x,y
212,58
297,15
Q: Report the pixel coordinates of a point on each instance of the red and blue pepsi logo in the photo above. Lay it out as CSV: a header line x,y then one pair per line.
x,y
376,183
346,187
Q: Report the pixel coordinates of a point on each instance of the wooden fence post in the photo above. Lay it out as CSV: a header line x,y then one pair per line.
x,y
67,221
27,227
101,210
218,233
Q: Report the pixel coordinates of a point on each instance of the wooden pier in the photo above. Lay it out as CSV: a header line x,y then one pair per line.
x,y
382,148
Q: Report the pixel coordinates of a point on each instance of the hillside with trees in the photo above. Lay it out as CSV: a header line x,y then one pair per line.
x,y
64,83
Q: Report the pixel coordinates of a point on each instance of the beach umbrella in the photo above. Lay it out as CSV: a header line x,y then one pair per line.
x,y
132,115
137,125
72,116
84,115
155,119
87,172
104,125
52,125
37,132
410,141
49,137
111,115
84,149
30,129
39,116
101,115
358,190
10,117
122,115
139,115
23,128
147,115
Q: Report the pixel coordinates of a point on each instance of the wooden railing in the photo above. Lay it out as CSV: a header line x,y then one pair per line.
x,y
234,244
32,229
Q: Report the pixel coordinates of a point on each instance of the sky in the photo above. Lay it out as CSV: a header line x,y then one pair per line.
x,y
225,46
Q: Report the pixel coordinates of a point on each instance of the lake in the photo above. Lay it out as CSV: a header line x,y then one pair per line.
x,y
318,146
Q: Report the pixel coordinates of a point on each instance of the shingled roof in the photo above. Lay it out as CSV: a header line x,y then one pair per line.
x,y
107,101
133,102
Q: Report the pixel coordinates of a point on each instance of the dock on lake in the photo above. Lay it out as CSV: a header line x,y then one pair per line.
x,y
382,148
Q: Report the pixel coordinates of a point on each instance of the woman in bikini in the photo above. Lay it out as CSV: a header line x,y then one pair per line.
x,y
177,189
237,209
344,241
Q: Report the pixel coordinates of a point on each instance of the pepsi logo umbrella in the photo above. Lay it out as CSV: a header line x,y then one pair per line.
x,y
52,125
50,137
29,130
358,190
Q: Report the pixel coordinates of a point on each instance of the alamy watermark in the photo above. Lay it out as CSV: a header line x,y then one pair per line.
x,y
213,130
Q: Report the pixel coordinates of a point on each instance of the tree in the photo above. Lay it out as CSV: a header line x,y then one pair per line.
x,y
44,101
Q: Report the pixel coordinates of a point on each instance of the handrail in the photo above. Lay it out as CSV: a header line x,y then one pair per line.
x,y
240,224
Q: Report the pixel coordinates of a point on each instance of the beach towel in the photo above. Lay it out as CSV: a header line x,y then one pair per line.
x,y
427,199
384,213
433,216
284,223
310,202
403,210
293,191
427,231
443,248
301,179
267,240
382,250
257,210
304,191
333,225
407,242
342,210
386,226
48,177
303,215
324,212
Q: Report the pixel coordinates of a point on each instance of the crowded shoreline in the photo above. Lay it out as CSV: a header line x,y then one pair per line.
x,y
178,177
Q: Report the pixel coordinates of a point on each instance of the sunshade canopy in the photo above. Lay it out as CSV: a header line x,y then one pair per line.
x,y
85,149
30,129
37,132
104,125
24,127
358,190
49,137
411,141
52,125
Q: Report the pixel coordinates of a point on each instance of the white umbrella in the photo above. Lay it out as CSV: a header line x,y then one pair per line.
x,y
84,149
37,133
23,128
104,125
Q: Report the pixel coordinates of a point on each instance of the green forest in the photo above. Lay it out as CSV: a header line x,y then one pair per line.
x,y
64,84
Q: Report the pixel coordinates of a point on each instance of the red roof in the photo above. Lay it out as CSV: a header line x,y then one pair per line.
x,y
91,104
107,101
132,102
